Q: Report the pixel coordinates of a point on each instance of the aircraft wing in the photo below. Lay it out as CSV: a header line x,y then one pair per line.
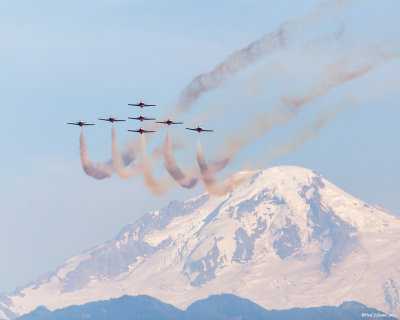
x,y
75,124
134,104
165,122
88,124
149,105
191,129
141,131
207,130
104,119
118,120
177,122
138,118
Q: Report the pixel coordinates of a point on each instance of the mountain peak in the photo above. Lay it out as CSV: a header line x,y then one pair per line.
x,y
288,234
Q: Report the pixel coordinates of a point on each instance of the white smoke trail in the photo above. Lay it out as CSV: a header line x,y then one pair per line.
x,y
173,169
125,172
266,72
156,187
342,71
338,73
251,54
311,130
99,170
242,59
215,188
298,138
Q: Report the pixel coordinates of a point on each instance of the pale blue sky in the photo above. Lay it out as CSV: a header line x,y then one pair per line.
x,y
80,60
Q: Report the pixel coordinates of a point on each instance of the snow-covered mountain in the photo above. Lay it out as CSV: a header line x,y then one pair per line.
x,y
287,238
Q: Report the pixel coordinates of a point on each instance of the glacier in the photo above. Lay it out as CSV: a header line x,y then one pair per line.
x,y
287,238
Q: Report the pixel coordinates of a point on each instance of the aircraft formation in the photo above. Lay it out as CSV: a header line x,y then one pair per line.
x,y
141,118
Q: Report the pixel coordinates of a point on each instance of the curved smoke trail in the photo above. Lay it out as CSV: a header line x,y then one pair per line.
x,y
188,181
99,170
242,59
173,169
125,172
157,188
219,188
336,74
340,72
307,132
310,130
245,57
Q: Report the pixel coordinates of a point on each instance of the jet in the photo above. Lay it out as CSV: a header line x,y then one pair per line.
x,y
141,131
200,129
169,122
81,123
111,119
141,104
141,118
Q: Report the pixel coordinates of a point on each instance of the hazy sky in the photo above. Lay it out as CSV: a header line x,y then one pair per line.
x,y
80,60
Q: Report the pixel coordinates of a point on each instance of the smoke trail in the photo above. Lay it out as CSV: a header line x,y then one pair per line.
x,y
311,130
225,101
122,161
172,167
335,75
125,172
219,188
251,54
130,154
227,186
243,58
159,151
98,170
190,180
298,138
154,186
205,172
308,132
238,61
